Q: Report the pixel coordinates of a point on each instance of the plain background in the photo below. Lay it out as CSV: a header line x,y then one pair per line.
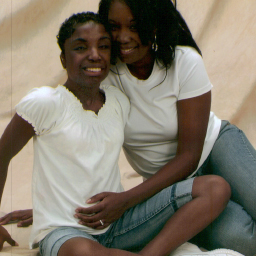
x,y
29,57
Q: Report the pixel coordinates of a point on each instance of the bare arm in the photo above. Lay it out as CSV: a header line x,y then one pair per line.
x,y
15,137
193,117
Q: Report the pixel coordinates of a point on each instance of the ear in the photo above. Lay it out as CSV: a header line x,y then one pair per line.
x,y
63,60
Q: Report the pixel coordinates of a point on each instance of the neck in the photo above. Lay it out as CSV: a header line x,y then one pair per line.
x,y
143,68
92,98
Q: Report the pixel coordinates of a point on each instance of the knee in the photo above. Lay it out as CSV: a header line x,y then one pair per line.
x,y
214,187
79,246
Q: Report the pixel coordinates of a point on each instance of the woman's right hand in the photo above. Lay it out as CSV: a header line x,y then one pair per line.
x,y
5,237
24,218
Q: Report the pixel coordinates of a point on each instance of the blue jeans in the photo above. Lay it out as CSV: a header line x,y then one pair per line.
x,y
233,158
137,226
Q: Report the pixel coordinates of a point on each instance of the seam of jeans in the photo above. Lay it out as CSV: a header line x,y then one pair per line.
x,y
171,201
174,203
242,135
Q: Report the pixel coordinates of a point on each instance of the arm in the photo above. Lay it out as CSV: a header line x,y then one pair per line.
x,y
193,117
15,137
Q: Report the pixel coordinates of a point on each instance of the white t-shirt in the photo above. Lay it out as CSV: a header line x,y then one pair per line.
x,y
76,154
152,127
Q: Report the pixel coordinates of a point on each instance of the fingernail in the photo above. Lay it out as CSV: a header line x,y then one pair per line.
x,y
89,200
76,216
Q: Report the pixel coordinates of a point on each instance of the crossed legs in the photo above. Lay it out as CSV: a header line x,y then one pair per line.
x,y
210,195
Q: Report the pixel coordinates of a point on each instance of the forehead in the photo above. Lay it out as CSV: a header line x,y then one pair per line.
x,y
90,31
119,9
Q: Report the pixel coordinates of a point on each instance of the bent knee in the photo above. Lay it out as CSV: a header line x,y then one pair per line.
x,y
212,186
79,246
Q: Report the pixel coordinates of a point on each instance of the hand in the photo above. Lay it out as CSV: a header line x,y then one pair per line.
x,y
24,218
110,207
5,237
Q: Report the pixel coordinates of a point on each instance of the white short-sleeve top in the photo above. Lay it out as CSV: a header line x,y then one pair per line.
x,y
75,153
152,127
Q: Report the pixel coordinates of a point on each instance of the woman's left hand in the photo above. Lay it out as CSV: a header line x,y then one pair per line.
x,y
110,207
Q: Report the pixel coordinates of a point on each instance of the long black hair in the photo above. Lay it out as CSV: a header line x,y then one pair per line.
x,y
159,22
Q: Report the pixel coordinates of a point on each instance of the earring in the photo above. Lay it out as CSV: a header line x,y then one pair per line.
x,y
154,45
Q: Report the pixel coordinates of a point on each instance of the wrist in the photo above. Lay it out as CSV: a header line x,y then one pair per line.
x,y
130,198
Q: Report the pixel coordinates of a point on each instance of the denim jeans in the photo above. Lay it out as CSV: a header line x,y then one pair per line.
x,y
137,226
233,158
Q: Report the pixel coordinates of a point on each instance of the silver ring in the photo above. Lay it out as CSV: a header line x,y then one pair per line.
x,y
101,222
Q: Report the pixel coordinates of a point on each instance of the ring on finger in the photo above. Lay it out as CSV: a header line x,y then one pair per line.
x,y
101,222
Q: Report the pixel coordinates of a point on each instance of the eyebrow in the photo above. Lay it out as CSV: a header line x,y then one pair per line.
x,y
131,21
84,41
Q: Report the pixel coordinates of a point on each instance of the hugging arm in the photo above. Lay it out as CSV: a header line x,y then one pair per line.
x,y
15,137
193,117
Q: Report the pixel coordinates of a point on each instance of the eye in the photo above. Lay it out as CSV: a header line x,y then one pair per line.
x,y
80,48
113,27
133,27
104,46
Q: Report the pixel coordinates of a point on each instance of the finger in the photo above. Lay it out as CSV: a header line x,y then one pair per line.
x,y
88,219
5,219
96,198
102,226
95,225
25,223
10,241
90,210
11,217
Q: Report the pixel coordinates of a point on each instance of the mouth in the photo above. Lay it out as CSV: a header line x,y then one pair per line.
x,y
126,51
92,69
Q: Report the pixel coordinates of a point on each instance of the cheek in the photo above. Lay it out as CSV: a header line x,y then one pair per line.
x,y
73,61
107,56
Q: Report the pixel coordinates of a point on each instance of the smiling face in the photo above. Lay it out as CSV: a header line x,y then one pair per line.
x,y
87,55
124,32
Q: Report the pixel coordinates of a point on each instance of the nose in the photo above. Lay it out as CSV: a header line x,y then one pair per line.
x,y
94,54
123,36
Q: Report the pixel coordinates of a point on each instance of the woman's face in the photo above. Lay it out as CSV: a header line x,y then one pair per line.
x,y
87,55
124,32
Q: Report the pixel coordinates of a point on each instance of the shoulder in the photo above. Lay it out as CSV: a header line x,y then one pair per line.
x,y
188,61
43,94
44,98
41,107
187,54
116,93
188,51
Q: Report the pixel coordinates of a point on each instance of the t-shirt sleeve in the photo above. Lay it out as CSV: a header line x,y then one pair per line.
x,y
40,107
192,75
